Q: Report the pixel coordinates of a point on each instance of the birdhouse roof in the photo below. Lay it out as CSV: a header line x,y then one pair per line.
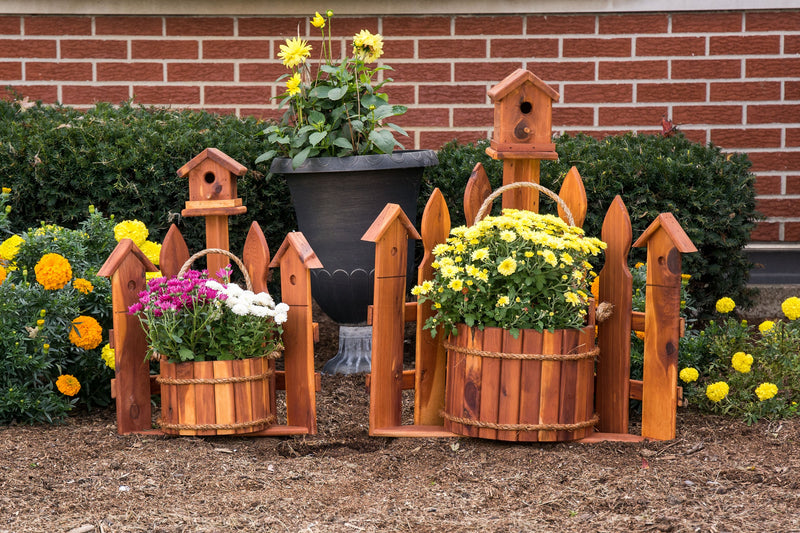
x,y
516,79
668,223
217,156
296,241
125,248
390,214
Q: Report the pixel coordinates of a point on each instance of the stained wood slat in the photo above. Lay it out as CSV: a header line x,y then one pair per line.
x,y
205,397
530,385
574,195
551,382
185,397
174,252
510,387
224,398
489,385
477,190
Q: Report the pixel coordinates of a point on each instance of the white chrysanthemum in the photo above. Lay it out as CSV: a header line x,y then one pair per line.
x,y
232,301
263,298
282,308
259,310
280,318
215,285
241,309
233,290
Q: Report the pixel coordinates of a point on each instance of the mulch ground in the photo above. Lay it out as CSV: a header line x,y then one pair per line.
x,y
717,475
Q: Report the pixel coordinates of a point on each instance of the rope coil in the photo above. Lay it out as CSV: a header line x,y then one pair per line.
x,y
487,203
226,253
520,427
214,381
591,354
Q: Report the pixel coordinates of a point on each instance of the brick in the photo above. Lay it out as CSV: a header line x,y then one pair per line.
x,y
633,70
630,116
238,49
694,135
738,91
525,48
706,22
413,72
129,26
240,94
572,116
166,94
772,68
765,231
424,116
792,90
746,138
778,207
440,48
46,93
503,25
792,183
397,49
264,113
595,47
27,48
172,49
776,161
250,72
707,114
493,72
349,26
270,26
597,93
638,24
691,69
91,94
473,117
671,92
10,25
768,185
562,71
58,71
47,25
130,72
670,46
739,45
772,21
793,137
216,26
791,231
11,70
220,110
422,26
85,49
200,72
560,24
401,94
434,140
452,94
772,113
791,44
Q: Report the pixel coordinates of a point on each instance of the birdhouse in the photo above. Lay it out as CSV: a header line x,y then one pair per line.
x,y
522,118
212,184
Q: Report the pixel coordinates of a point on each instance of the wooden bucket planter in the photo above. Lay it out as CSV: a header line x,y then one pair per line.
x,y
537,387
216,397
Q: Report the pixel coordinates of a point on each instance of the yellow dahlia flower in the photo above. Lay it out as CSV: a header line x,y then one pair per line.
x,y
293,84
294,52
318,21
367,47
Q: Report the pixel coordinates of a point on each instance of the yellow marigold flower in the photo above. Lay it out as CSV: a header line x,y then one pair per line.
x,y
108,353
10,247
639,334
480,254
689,374
367,47
86,333
508,235
134,230
456,284
766,326
638,265
716,392
765,391
83,285
40,322
152,250
53,271
741,362
68,385
318,21
685,278
3,275
293,84
725,305
45,347
503,301
791,308
6,190
151,275
294,52
507,267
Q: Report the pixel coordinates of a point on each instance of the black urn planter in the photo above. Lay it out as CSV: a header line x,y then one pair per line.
x,y
336,200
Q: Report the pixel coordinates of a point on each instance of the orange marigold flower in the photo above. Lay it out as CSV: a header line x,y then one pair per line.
x,y
83,285
3,275
53,271
68,385
86,333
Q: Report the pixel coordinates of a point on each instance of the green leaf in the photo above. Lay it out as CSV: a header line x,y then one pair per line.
x,y
266,156
383,139
185,354
343,143
316,137
300,158
337,93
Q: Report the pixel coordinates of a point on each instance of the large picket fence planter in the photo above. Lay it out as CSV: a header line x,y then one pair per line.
x,y
537,387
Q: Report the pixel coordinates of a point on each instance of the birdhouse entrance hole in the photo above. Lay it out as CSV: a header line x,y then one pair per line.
x,y
210,177
525,107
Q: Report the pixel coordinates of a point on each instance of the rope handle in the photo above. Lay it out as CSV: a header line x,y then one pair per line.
x,y
487,203
207,251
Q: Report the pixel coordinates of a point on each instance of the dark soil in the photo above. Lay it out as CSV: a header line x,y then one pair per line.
x,y
717,475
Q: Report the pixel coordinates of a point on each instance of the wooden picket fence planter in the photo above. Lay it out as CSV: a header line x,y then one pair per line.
x,y
216,397
536,387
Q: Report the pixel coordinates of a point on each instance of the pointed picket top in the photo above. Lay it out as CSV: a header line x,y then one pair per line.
x,y
476,191
574,195
256,257
517,78
218,156
435,226
125,248
390,214
668,223
616,230
297,242
174,252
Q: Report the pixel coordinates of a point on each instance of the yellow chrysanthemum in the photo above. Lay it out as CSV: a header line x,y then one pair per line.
x,y
152,250
716,392
294,52
108,353
456,284
68,385
293,84
53,271
791,308
725,305
10,247
766,326
689,375
503,301
86,333
367,47
572,298
741,362
507,267
83,285
508,235
480,254
765,391
318,21
134,230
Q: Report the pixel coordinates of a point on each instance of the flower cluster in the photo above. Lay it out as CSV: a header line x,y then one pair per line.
x,y
194,318
341,110
53,271
516,271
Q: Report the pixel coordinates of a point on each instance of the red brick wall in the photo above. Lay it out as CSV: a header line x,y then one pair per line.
x,y
731,78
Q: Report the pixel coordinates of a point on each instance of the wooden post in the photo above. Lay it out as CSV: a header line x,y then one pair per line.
x,y
390,233
665,241
574,195
126,266
477,190
174,253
